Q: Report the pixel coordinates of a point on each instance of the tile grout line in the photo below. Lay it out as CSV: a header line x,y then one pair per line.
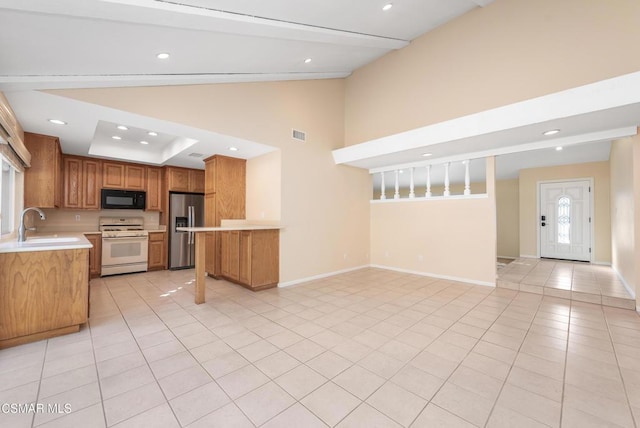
x,y
624,385
44,359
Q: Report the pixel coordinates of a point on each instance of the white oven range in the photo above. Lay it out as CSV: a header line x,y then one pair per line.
x,y
125,245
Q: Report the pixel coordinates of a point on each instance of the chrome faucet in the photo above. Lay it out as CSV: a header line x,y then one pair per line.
x,y
22,230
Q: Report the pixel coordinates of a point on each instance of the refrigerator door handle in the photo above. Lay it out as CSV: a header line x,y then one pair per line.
x,y
190,208
188,225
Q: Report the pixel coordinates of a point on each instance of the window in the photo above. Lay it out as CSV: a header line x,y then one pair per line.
x,y
564,220
7,197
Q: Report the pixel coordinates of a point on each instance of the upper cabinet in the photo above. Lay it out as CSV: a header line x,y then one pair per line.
x,y
116,175
226,178
154,189
82,183
43,180
184,180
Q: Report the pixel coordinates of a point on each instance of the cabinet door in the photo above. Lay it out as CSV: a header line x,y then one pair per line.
x,y
224,256
154,189
42,181
196,181
245,257
178,179
210,211
156,251
134,177
72,182
113,175
230,253
210,176
95,255
210,251
231,187
92,175
57,176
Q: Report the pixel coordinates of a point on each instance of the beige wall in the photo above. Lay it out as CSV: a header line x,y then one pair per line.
x,y
623,210
324,207
65,220
508,217
438,236
509,51
529,179
264,187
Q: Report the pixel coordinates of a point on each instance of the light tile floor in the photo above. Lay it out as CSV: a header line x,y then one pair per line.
x,y
579,281
363,349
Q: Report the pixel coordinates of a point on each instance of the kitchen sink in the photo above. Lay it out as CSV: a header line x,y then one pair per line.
x,y
51,240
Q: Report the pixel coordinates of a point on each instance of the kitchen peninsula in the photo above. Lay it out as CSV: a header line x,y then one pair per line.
x,y
249,254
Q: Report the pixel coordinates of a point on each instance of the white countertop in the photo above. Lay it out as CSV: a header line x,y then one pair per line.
x,y
229,228
46,242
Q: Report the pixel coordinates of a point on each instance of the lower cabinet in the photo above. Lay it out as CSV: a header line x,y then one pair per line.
x,y
95,254
157,251
251,257
43,294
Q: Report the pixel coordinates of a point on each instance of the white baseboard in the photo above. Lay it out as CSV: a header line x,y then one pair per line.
x,y
601,263
320,276
507,257
435,275
624,282
527,256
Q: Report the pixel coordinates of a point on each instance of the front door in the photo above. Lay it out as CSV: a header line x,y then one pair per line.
x,y
565,229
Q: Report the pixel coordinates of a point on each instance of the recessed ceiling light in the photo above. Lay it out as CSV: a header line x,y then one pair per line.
x,y
116,137
144,142
307,61
402,171
559,148
387,6
551,132
233,149
122,127
58,121
153,134
426,155
163,55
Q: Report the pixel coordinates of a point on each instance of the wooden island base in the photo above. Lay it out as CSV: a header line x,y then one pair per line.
x,y
249,257
8,343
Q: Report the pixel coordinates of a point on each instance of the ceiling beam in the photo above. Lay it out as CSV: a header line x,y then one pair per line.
x,y
24,83
150,12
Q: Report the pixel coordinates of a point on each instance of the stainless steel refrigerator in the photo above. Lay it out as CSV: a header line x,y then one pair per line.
x,y
185,210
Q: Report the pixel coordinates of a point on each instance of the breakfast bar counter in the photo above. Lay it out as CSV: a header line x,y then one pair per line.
x,y
249,255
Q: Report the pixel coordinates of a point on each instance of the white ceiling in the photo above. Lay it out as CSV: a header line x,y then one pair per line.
x,y
113,43
106,43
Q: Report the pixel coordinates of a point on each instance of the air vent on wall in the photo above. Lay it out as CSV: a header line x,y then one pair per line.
x,y
196,155
298,135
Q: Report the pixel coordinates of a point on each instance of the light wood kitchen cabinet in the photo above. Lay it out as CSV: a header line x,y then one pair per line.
x,y
43,180
229,258
225,189
185,180
82,179
116,175
196,180
154,189
251,258
112,175
42,294
135,177
92,178
157,251
95,254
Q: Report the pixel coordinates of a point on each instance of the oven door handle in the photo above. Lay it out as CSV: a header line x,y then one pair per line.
x,y
129,238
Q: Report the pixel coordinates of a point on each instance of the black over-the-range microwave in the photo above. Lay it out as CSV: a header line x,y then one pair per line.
x,y
115,199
